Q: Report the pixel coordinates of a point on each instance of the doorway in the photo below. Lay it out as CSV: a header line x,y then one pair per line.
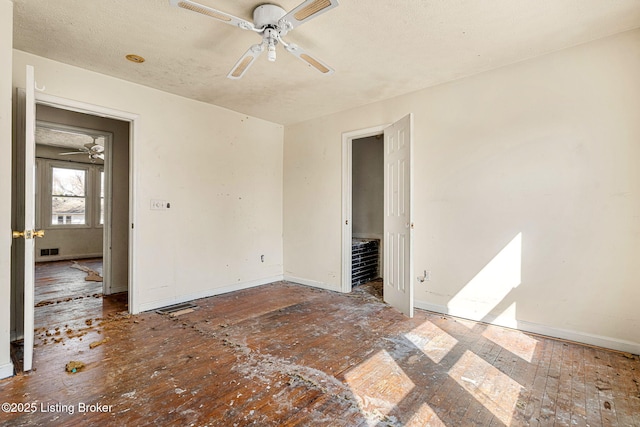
x,y
73,208
397,208
105,231
116,126
367,201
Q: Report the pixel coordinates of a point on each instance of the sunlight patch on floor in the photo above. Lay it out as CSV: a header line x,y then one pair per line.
x,y
497,392
380,383
469,324
425,416
432,341
516,342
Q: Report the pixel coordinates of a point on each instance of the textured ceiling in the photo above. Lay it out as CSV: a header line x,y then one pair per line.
x,y
379,49
64,138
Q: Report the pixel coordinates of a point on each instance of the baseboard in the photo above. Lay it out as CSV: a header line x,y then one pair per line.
x,y
208,293
6,370
312,283
550,331
118,290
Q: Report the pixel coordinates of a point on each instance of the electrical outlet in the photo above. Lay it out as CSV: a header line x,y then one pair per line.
x,y
426,276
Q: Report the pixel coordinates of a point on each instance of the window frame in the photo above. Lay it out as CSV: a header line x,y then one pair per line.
x,y
100,193
88,195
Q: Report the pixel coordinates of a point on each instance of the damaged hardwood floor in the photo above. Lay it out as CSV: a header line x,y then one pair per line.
x,y
289,355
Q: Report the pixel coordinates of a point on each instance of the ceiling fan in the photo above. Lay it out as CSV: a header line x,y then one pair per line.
x,y
272,22
93,149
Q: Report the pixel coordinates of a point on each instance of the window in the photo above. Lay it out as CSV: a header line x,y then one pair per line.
x,y
68,196
71,194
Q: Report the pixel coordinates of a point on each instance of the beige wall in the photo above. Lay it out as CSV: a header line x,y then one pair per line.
x,y
6,41
220,170
526,193
367,187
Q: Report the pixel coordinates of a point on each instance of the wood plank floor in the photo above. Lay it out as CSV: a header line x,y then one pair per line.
x,y
290,355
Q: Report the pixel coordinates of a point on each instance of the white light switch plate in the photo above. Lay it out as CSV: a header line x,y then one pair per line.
x,y
158,205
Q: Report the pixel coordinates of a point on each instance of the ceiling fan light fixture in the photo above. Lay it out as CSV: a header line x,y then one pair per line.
x,y
271,52
273,23
312,9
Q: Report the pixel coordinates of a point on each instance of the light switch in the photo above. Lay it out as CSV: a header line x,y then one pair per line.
x,y
159,205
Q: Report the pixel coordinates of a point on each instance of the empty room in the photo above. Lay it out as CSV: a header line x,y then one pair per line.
x,y
320,213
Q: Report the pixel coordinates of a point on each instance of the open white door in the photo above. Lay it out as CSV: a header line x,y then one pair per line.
x,y
398,225
26,210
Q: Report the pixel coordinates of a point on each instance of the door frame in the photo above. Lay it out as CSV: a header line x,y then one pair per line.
x,y
347,198
132,119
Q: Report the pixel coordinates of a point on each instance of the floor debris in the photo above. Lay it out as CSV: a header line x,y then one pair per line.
x,y
74,366
92,275
98,343
181,312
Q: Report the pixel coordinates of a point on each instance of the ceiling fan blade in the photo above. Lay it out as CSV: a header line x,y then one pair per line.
x,y
308,10
75,152
308,59
245,61
213,13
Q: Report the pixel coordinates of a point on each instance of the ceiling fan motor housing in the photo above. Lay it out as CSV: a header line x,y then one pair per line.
x,y
267,15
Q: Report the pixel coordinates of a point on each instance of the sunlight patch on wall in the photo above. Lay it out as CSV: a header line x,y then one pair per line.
x,y
433,341
516,342
497,392
380,382
491,285
508,317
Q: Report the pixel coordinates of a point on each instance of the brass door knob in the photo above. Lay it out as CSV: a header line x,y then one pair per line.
x,y
27,234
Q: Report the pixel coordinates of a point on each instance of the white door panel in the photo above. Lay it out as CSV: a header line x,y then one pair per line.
x,y
398,242
23,256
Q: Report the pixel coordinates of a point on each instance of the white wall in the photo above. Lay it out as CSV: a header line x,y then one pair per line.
x,y
368,186
526,192
6,41
220,170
